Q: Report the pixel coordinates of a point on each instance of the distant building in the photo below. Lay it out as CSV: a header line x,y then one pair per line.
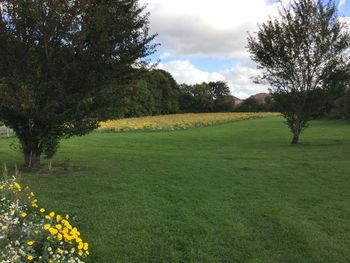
x,y
236,101
260,97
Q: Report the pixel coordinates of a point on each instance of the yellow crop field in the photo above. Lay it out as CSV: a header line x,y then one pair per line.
x,y
178,121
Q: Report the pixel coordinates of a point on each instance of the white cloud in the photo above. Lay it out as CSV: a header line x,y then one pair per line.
x,y
184,72
165,55
240,80
239,77
207,28
341,3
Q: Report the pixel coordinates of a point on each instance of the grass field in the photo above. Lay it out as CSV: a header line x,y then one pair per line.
x,y
234,192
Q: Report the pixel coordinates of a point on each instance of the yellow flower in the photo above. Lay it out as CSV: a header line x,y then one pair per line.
x,y
17,186
81,245
42,210
72,250
30,257
80,252
53,231
86,246
58,218
59,226
24,214
47,226
52,214
1,187
48,217
67,217
32,194
30,243
59,236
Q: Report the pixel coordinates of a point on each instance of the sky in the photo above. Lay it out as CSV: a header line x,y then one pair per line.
x,y
204,41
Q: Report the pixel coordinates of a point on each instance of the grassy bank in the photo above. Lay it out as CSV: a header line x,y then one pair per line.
x,y
235,192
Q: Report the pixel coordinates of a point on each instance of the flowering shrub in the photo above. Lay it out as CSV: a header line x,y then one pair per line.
x,y
29,233
179,121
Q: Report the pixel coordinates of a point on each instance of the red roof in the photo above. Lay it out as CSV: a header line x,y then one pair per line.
x,y
260,97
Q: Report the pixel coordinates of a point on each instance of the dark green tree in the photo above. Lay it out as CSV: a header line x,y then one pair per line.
x,y
336,88
136,100
187,100
164,90
218,89
224,104
250,105
343,106
154,93
205,97
60,63
298,52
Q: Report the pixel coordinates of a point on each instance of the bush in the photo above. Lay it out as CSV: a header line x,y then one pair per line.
x,y
31,234
342,106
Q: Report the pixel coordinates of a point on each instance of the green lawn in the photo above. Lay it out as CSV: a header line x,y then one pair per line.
x,y
236,192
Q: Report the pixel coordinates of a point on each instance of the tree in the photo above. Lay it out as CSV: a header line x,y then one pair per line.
x,y
205,97
186,99
250,105
224,104
165,91
336,88
155,92
298,52
60,61
343,106
218,89
341,98
136,100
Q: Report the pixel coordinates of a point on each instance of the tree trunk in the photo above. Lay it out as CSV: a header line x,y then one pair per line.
x,y
50,165
296,133
295,139
32,153
32,158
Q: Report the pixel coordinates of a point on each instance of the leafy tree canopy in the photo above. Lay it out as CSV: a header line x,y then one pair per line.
x,y
155,92
206,97
298,52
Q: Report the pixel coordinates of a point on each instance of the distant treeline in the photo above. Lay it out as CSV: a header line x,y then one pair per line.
x,y
156,93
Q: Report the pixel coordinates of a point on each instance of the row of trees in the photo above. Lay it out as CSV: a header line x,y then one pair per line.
x,y
156,92
253,105
205,97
